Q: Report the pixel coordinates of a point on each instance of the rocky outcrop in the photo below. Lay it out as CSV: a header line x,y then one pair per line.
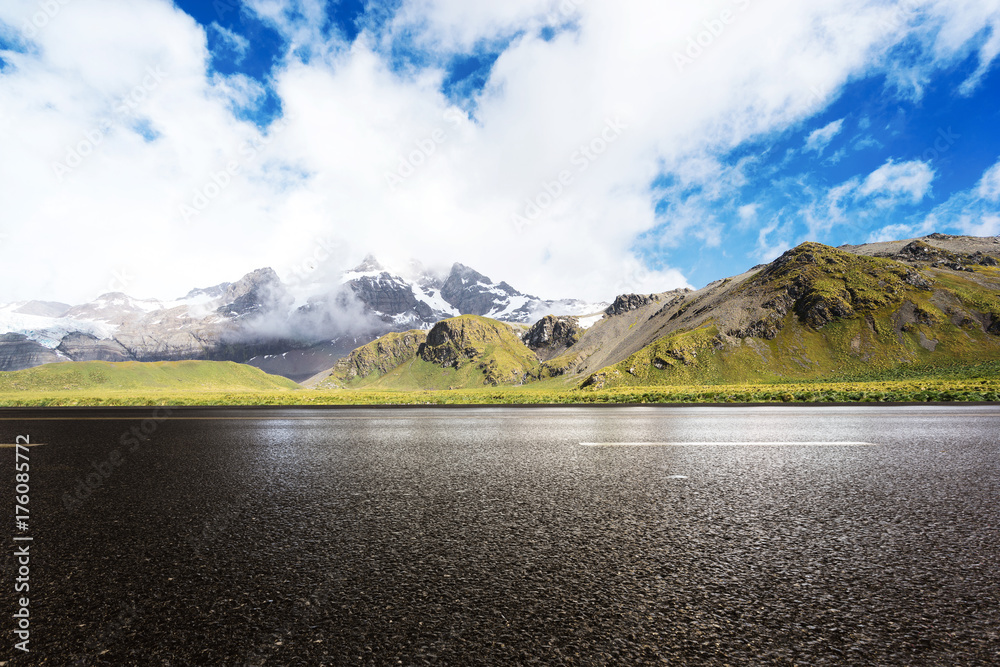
x,y
551,336
919,252
163,346
599,380
766,327
452,341
256,292
86,347
629,302
18,352
982,259
389,296
492,346
472,293
379,356
822,284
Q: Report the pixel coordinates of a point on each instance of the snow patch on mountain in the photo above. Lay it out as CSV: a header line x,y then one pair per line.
x,y
49,331
590,320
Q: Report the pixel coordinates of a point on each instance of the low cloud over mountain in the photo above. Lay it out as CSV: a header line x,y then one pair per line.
x,y
258,319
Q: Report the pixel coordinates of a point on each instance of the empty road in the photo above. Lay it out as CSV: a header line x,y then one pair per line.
x,y
593,535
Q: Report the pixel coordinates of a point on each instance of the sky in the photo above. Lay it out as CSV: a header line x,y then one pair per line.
x,y
573,148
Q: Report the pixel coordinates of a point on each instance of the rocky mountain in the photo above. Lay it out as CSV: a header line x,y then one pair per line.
x,y
472,293
258,320
814,312
551,336
379,357
258,292
629,302
87,347
416,297
459,352
18,352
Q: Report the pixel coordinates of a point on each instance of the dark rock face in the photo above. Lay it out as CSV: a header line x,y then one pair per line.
x,y
923,253
255,292
472,293
17,353
552,335
822,284
767,327
629,302
166,346
305,364
915,279
447,345
388,295
85,347
994,325
816,311
464,340
983,259
380,356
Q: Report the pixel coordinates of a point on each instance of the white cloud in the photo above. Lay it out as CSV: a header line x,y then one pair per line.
x,y
830,210
890,233
857,200
989,184
748,212
894,181
238,44
460,24
350,120
821,138
987,54
768,250
300,22
975,212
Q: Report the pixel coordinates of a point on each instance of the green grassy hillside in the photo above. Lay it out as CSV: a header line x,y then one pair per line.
x,y
817,324
135,376
829,313
372,361
462,352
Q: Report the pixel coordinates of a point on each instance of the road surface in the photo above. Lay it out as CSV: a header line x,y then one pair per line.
x,y
591,535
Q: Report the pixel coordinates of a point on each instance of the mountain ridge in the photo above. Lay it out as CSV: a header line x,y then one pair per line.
x,y
258,320
813,311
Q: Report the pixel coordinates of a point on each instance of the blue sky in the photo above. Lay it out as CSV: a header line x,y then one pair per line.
x,y
955,137
571,147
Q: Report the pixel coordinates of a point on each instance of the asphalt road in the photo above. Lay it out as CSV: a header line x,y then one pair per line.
x,y
508,536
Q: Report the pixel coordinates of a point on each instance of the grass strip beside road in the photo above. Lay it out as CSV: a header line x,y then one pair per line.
x,y
890,391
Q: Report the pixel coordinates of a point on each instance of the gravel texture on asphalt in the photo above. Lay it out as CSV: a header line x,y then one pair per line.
x,y
491,536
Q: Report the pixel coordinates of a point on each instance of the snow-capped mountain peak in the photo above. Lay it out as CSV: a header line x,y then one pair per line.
x,y
255,316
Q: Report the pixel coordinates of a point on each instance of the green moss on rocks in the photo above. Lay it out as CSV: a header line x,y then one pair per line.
x,y
491,346
376,358
822,284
